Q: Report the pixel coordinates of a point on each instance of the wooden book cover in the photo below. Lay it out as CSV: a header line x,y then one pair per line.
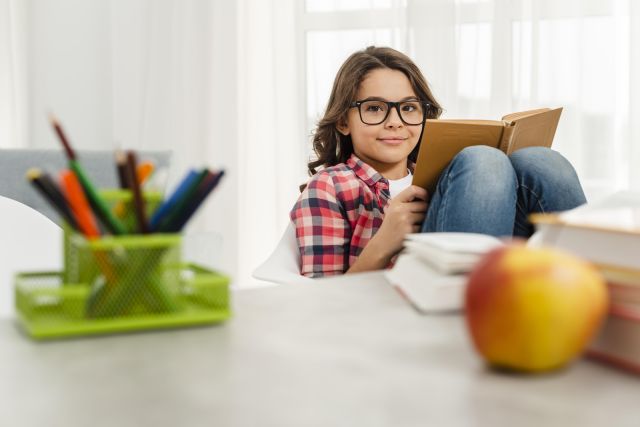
x,y
443,139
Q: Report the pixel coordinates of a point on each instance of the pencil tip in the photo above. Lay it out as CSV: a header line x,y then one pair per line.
x,y
34,173
120,156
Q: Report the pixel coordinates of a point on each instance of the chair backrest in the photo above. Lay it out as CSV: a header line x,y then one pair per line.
x,y
283,265
99,165
29,241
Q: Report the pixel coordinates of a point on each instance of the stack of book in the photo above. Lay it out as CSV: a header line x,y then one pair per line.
x,y
607,233
431,273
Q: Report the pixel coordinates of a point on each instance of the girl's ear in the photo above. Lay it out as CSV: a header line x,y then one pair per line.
x,y
343,128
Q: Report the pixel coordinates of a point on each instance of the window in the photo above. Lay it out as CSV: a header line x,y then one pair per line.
x,y
487,58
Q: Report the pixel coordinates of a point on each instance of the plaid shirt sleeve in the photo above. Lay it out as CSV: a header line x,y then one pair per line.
x,y
322,228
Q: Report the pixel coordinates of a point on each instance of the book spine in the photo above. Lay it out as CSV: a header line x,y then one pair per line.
x,y
615,360
507,138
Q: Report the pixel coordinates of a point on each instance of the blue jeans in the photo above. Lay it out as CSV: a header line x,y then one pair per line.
x,y
485,191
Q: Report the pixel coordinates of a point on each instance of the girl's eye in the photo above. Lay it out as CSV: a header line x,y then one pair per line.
x,y
409,108
373,108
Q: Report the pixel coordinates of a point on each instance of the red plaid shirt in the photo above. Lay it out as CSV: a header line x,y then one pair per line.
x,y
337,214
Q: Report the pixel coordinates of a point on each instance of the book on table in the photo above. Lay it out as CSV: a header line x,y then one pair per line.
x,y
606,233
431,273
618,342
442,139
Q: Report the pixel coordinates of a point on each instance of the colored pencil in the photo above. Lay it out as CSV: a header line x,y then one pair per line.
x,y
79,205
99,206
166,225
121,168
52,194
144,171
169,204
71,155
86,221
138,201
204,189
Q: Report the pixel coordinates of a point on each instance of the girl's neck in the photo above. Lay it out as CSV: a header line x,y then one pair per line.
x,y
389,171
396,173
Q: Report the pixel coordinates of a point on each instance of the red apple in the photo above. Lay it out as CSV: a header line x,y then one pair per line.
x,y
533,309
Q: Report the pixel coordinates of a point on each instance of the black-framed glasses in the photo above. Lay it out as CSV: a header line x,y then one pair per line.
x,y
374,112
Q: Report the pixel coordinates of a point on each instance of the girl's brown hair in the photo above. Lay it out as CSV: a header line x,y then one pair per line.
x,y
332,147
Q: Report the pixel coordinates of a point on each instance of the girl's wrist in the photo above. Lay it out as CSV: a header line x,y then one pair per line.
x,y
379,250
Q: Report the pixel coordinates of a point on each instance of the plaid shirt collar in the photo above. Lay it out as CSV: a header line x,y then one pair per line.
x,y
369,175
366,173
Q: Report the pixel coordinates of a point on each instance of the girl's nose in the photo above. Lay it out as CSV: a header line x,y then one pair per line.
x,y
394,119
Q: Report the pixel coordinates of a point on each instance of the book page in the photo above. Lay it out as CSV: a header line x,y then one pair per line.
x,y
424,288
515,116
474,122
442,140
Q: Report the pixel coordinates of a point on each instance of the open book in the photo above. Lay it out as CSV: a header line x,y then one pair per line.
x,y
443,139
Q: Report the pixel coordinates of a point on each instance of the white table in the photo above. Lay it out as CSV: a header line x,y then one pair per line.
x,y
344,352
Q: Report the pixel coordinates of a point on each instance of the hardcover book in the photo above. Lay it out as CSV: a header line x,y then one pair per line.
x,y
443,139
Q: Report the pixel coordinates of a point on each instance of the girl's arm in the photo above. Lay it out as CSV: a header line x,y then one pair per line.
x,y
322,230
403,215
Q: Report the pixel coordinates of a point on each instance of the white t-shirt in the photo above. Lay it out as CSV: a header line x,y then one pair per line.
x,y
397,185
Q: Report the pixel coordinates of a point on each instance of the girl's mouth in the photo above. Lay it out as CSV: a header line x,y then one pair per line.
x,y
392,141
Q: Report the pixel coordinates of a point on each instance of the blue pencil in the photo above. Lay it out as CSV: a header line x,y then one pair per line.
x,y
205,189
168,205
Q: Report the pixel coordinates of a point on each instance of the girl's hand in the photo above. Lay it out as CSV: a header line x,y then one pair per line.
x,y
404,214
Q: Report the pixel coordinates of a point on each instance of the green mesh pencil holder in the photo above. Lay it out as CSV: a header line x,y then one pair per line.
x,y
117,284
127,275
120,202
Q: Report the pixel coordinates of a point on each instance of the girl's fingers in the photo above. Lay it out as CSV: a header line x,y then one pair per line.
x,y
418,206
417,218
411,193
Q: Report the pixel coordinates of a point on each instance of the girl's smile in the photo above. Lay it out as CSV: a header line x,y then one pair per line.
x,y
392,140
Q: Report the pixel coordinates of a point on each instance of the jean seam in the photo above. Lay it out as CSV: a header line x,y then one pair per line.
x,y
538,198
445,200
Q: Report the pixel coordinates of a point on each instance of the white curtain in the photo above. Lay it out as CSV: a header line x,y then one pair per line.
x,y
488,58
13,83
271,143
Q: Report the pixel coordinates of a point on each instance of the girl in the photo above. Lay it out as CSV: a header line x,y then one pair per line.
x,y
354,213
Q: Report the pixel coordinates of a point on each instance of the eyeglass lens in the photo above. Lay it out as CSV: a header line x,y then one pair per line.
x,y
375,112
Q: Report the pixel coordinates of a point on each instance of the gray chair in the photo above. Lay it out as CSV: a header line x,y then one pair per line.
x,y
99,165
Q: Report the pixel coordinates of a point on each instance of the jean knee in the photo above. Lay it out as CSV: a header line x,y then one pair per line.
x,y
485,168
548,173
484,162
543,161
541,156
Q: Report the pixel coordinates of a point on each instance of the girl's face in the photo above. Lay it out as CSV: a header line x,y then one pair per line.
x,y
387,145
